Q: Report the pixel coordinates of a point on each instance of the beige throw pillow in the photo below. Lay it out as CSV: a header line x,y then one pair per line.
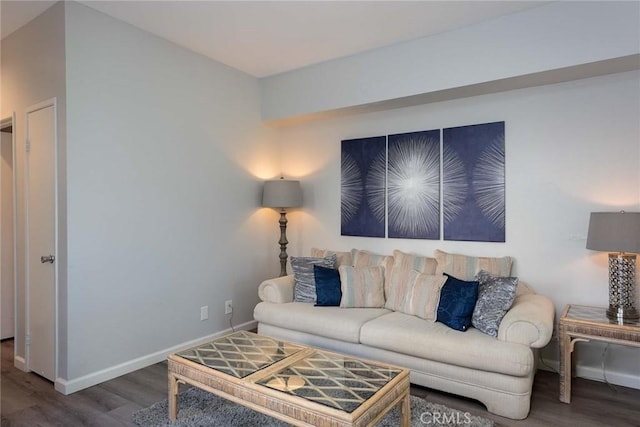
x,y
421,295
361,287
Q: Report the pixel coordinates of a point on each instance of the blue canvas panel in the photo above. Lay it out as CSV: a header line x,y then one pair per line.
x,y
362,188
413,185
474,182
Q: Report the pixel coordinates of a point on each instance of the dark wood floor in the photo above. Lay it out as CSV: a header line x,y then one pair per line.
x,y
29,400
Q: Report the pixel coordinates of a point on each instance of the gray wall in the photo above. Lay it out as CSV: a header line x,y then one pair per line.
x,y
163,151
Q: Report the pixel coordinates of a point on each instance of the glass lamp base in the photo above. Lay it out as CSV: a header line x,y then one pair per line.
x,y
622,279
623,313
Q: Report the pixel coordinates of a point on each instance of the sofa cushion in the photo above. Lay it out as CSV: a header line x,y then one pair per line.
x,y
330,322
420,295
361,287
435,341
466,267
369,259
304,289
495,296
457,300
342,258
403,265
328,291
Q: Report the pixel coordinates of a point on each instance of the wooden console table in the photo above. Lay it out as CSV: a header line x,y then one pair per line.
x,y
584,323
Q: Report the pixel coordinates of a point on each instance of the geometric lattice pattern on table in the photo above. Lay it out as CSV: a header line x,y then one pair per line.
x,y
240,354
332,380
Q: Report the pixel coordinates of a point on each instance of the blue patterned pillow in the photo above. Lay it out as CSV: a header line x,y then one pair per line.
x,y
328,291
457,300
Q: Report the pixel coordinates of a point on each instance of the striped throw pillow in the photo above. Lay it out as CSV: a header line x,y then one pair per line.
x,y
421,295
361,287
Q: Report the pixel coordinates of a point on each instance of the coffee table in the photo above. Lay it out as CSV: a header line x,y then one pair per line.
x,y
300,385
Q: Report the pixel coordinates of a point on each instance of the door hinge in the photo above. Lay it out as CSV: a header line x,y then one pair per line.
x,y
27,146
27,340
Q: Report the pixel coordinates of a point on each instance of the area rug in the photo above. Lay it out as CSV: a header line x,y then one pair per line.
x,y
199,408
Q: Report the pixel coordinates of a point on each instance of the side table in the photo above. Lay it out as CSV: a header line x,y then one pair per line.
x,y
584,323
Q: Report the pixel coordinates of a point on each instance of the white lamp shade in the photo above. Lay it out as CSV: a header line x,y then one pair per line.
x,y
614,232
281,193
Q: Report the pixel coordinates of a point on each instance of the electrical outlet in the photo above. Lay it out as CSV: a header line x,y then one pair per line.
x,y
204,312
228,306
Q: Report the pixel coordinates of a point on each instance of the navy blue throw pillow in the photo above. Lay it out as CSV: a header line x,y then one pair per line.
x,y
328,291
457,300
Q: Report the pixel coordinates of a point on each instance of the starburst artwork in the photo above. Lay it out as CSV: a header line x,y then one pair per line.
x,y
413,185
474,182
363,186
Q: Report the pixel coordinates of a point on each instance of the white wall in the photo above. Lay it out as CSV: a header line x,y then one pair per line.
x,y
33,70
166,156
553,36
571,148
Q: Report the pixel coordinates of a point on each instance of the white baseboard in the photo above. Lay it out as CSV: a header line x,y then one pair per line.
x,y
71,386
20,363
596,374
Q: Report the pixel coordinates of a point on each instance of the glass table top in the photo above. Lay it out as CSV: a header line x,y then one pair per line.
x,y
241,353
330,379
595,315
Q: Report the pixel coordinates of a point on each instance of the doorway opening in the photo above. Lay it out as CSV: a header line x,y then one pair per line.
x,y
7,230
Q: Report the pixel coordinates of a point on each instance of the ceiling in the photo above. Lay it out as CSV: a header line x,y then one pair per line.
x,y
263,38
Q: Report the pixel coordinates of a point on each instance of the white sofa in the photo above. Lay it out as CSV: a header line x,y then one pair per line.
x,y
498,371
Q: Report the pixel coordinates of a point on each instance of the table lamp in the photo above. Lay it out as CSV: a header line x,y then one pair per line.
x,y
619,234
282,194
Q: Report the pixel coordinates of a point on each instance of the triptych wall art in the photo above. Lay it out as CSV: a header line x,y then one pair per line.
x,y
392,185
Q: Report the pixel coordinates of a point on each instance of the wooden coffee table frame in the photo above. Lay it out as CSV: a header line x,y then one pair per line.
x,y
291,409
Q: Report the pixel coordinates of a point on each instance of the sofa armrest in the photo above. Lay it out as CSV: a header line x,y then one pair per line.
x,y
529,321
278,290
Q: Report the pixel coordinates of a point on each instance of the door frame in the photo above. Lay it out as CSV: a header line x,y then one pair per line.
x,y
52,102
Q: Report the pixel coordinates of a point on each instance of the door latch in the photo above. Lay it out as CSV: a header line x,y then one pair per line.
x,y
48,258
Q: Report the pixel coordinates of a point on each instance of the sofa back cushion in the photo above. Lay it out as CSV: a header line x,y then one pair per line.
x,y
361,287
403,266
304,289
370,259
342,258
466,267
420,295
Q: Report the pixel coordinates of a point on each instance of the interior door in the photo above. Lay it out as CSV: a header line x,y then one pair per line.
x,y
41,239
